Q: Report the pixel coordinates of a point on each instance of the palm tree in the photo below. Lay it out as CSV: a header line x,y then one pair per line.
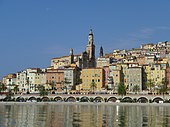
x,y
93,85
144,77
136,88
52,84
9,94
42,90
163,88
2,87
27,83
78,82
150,84
16,89
121,89
66,83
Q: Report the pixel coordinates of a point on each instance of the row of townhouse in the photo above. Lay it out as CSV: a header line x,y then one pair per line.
x,y
106,77
137,67
30,79
131,74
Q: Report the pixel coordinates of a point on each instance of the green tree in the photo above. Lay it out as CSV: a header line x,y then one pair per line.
x,y
163,88
93,85
9,95
16,89
2,87
121,89
42,90
28,84
150,84
52,84
78,82
136,88
66,83
144,77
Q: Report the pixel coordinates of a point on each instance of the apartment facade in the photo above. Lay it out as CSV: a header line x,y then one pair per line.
x,y
134,79
92,75
115,77
9,81
54,79
155,73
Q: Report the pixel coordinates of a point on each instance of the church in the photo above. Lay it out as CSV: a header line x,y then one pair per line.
x,y
84,60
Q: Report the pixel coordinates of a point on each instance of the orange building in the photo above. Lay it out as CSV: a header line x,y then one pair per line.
x,y
55,76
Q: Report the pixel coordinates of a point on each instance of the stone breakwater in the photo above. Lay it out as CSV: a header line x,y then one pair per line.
x,y
89,98
83,103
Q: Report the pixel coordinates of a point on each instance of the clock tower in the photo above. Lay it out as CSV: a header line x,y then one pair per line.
x,y
90,49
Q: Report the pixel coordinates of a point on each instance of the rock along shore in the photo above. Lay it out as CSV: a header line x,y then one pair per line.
x,y
84,103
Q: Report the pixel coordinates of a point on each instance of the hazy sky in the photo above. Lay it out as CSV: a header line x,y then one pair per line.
x,y
34,31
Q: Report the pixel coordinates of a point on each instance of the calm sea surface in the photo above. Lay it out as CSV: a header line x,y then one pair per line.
x,y
84,115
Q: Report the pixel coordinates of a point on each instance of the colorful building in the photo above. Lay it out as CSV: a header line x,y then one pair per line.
x,y
55,79
90,75
155,73
134,79
9,80
115,77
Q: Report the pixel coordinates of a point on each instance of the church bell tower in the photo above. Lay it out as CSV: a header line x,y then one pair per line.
x,y
90,49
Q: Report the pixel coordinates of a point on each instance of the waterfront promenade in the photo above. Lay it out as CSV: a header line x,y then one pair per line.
x,y
145,98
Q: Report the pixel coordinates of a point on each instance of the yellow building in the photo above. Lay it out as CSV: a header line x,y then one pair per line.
x,y
155,73
92,75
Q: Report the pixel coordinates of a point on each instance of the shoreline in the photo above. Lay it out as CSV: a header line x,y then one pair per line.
x,y
84,103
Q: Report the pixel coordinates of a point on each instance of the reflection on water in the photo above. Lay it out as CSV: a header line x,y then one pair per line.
x,y
79,115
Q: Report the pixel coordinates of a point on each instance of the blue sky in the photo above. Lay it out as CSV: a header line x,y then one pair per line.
x,y
34,31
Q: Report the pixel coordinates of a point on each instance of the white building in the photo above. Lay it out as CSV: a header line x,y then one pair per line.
x,y
22,80
29,79
9,81
71,75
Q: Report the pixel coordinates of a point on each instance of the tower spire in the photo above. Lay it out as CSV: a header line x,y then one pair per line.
x,y
90,48
71,51
91,32
71,56
90,38
101,51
